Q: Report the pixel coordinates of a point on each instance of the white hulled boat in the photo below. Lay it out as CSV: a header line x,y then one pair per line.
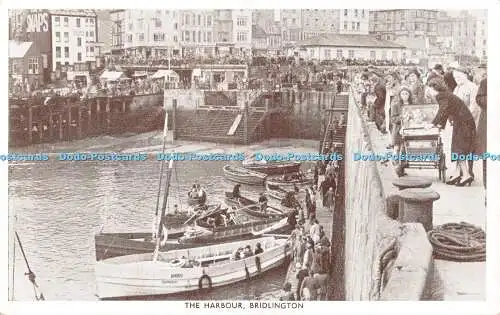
x,y
184,270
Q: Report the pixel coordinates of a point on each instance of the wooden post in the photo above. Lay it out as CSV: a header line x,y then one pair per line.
x,y
174,117
69,123
245,124
30,125
51,126
79,123
60,127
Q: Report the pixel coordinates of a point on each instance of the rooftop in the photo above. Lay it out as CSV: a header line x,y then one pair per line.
x,y
82,12
348,40
18,49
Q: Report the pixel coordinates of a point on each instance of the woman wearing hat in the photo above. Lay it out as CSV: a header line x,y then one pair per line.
x,y
467,91
416,86
392,88
452,108
405,97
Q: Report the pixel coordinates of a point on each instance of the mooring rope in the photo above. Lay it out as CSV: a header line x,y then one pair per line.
x,y
31,275
461,242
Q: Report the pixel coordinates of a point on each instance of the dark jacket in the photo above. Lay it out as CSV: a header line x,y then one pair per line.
x,y
380,93
450,81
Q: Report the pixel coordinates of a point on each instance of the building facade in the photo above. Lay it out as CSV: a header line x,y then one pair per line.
x,y
482,35
354,21
25,64
196,31
317,22
343,46
242,30
291,26
463,33
404,25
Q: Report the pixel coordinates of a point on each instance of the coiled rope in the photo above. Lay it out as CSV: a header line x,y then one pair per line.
x,y
461,242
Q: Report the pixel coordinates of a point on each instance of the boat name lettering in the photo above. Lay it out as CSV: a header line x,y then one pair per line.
x,y
168,281
176,275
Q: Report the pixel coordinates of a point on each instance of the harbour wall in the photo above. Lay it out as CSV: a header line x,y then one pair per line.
x,y
383,259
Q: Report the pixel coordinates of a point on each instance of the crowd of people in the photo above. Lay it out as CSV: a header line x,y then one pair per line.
x,y
460,93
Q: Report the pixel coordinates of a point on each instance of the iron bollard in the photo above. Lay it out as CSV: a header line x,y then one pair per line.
x,y
407,182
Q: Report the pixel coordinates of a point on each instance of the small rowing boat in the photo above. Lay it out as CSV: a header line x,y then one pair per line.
x,y
271,168
276,191
290,180
244,176
251,207
185,270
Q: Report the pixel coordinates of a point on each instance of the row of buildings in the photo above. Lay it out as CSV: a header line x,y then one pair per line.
x,y
50,44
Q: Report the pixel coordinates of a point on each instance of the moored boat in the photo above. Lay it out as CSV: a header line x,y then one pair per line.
x,y
271,168
244,176
251,207
201,268
289,180
276,191
108,245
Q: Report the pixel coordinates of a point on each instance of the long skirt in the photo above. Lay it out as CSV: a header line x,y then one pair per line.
x,y
463,138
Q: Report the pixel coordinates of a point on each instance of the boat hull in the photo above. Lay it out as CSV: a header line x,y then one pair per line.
x,y
274,168
275,192
239,175
289,184
250,207
135,278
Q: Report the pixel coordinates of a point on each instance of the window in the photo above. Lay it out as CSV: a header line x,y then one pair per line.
x,y
92,49
340,54
66,52
194,36
79,56
175,38
484,41
209,37
294,21
384,55
209,20
484,53
130,26
66,37
353,25
79,41
373,54
58,36
199,19
345,12
91,33
327,54
356,13
187,19
130,38
78,22
176,26
358,26
363,13
416,26
141,37
186,37
33,66
57,21
242,21
345,25
395,55
66,21
284,21
351,54
199,36
402,27
157,23
242,36
91,21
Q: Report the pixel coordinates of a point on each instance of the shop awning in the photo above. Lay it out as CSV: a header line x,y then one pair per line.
x,y
165,74
111,75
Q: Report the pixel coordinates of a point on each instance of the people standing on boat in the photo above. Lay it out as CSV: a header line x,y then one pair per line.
x,y
258,249
287,294
236,191
193,192
202,195
263,202
330,199
247,252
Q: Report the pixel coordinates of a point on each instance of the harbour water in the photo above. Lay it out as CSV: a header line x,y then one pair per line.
x,y
60,205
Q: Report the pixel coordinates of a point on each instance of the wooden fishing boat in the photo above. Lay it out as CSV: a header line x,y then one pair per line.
x,y
289,181
244,176
276,191
271,168
251,207
243,228
108,245
185,270
195,201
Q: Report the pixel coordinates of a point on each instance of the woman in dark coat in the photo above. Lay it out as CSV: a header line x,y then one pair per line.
x,y
452,108
481,100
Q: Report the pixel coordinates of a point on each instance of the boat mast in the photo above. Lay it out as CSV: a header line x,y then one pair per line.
x,y
163,211
162,166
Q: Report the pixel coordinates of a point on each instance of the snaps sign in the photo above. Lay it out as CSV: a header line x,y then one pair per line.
x,y
37,23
